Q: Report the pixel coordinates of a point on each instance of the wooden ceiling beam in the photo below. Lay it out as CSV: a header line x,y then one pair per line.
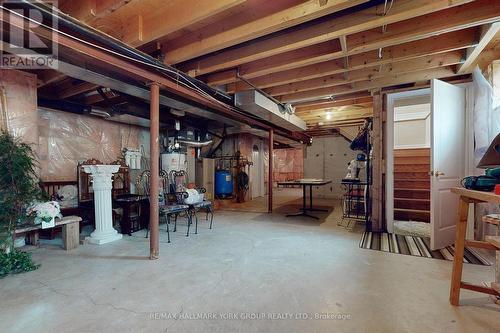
x,y
138,22
320,32
71,89
342,98
89,11
334,104
49,77
443,43
106,7
332,116
261,26
182,14
488,33
292,59
83,10
335,124
369,85
433,61
461,17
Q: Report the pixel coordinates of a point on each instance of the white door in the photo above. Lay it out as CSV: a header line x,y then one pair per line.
x,y
447,159
255,173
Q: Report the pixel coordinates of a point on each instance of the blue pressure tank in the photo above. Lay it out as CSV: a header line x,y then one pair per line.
x,y
223,183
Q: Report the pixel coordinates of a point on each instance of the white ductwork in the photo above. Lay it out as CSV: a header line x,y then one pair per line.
x,y
256,103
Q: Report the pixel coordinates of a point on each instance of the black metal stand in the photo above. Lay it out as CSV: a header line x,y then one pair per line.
x,y
304,209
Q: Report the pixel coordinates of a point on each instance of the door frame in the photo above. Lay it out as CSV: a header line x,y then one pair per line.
x,y
258,167
389,149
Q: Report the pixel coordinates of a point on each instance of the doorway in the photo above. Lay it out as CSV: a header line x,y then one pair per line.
x,y
411,165
425,158
257,173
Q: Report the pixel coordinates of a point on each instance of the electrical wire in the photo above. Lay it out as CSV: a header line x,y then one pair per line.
x,y
384,27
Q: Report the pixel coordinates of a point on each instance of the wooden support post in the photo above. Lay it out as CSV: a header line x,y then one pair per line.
x,y
270,182
377,163
154,214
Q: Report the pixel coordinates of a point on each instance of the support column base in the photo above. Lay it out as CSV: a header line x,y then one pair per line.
x,y
103,238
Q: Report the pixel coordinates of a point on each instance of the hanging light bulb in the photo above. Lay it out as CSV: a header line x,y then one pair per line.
x,y
328,115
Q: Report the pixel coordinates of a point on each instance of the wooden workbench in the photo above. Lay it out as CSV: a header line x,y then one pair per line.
x,y
466,197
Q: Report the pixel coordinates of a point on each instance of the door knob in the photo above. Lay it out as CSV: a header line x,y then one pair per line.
x,y
438,173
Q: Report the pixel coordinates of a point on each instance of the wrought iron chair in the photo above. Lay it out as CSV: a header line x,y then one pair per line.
x,y
181,178
166,209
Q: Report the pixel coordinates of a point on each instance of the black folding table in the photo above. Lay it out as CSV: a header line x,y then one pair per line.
x,y
304,183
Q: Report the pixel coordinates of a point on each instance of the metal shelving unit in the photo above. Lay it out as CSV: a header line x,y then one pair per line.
x,y
356,198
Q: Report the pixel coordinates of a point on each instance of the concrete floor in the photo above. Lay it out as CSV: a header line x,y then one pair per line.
x,y
250,265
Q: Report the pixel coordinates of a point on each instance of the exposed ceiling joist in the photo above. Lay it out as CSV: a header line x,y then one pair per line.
x,y
487,34
48,77
183,14
89,11
132,22
329,99
368,85
392,55
337,115
443,43
289,60
320,32
461,17
261,26
364,101
422,63
70,89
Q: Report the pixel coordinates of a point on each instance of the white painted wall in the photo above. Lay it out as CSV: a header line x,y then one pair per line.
x,y
327,158
412,126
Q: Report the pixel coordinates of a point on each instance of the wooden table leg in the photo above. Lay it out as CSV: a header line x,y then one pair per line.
x,y
458,260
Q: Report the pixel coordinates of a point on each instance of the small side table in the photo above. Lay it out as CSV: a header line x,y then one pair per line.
x,y
132,206
466,197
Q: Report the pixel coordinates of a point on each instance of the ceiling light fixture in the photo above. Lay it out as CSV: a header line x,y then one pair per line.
x,y
328,115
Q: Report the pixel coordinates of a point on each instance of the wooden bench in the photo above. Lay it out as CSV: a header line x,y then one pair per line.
x,y
70,232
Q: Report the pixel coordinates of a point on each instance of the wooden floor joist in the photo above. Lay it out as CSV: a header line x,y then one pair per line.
x,y
457,40
369,18
368,85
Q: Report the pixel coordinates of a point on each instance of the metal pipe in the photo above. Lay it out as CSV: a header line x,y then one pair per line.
x,y
65,21
270,182
154,212
195,144
150,74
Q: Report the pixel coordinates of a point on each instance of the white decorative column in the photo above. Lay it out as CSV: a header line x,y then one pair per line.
x,y
102,184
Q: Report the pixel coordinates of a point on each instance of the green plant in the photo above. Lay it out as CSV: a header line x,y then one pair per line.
x,y
18,188
16,262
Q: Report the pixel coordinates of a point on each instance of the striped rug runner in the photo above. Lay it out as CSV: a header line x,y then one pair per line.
x,y
415,246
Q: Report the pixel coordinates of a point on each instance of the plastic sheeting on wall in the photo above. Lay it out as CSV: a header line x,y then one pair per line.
x,y
486,127
19,103
288,164
486,114
65,139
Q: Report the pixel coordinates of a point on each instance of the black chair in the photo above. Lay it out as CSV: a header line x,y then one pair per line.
x,y
181,178
166,209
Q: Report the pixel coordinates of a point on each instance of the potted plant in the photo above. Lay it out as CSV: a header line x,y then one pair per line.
x,y
18,189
